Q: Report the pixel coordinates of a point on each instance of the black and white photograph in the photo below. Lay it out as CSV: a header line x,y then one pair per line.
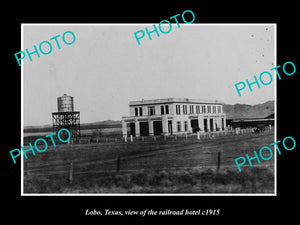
x,y
149,109
138,112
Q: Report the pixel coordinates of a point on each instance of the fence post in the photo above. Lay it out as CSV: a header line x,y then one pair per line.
x,y
125,138
131,138
118,163
71,173
198,135
219,161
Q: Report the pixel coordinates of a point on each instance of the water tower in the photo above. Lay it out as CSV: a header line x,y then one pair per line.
x,y
66,117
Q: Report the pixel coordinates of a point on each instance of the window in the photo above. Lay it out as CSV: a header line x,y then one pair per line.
x,y
203,109
178,126
162,110
214,109
177,109
167,109
151,110
219,109
198,109
141,111
184,109
191,109
136,111
185,125
208,109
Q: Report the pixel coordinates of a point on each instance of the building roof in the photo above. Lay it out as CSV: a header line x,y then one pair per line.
x,y
173,100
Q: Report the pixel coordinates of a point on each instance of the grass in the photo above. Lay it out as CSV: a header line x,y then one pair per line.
x,y
152,167
251,180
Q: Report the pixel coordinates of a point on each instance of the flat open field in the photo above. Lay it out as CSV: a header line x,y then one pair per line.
x,y
172,166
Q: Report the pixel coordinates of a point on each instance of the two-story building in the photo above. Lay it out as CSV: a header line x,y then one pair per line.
x,y
173,116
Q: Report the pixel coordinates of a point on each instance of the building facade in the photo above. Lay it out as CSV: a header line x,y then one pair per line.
x,y
173,116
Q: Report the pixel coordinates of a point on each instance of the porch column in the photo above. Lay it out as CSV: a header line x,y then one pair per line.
x,y
214,124
164,124
150,123
137,127
182,126
190,129
217,123
208,124
220,123
124,128
174,126
201,123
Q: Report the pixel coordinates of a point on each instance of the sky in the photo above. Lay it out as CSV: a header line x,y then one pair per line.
x,y
105,68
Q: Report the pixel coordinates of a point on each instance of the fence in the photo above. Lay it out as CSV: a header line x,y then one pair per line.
x,y
194,136
75,163
112,166
117,139
216,161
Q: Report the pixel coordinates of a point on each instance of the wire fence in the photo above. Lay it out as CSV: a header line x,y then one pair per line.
x,y
88,139
72,171
162,138
209,157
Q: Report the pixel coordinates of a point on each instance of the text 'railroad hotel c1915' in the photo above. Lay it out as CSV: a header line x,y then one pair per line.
x,y
172,116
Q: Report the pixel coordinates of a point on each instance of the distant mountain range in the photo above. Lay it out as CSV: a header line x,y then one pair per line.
x,y
242,111
236,111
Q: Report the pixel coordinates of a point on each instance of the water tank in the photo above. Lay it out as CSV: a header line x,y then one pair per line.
x,y
65,103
